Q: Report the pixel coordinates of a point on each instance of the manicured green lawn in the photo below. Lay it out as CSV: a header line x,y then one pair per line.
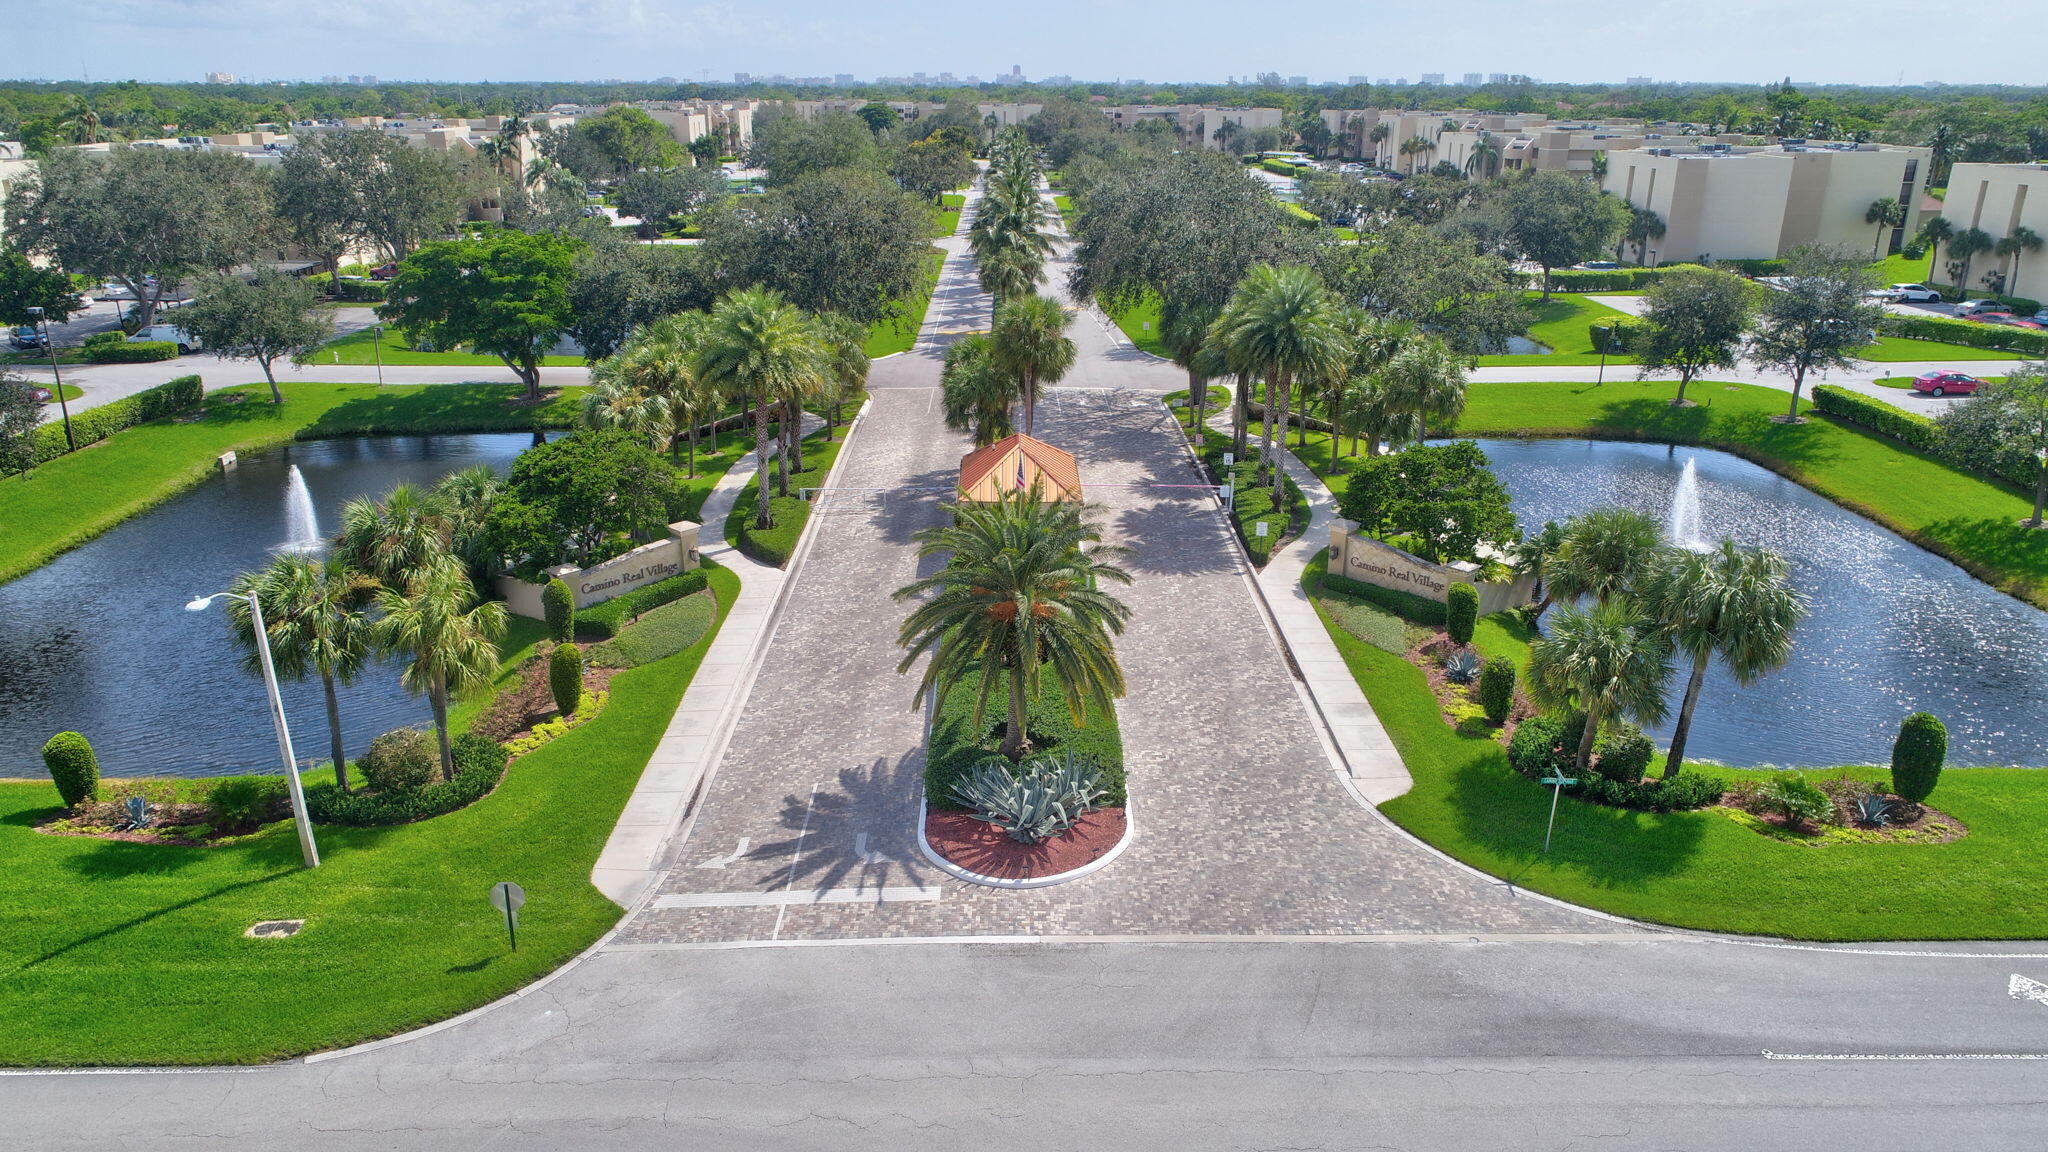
x,y
1895,349
888,337
1563,324
1065,204
74,498
947,218
1906,382
1897,269
361,348
1702,869
1971,521
1140,324
773,545
117,954
1252,504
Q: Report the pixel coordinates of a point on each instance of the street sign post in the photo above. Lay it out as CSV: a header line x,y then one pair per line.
x,y
508,897
1557,786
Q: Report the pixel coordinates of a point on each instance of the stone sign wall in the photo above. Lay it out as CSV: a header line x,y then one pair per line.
x,y
1371,561
642,566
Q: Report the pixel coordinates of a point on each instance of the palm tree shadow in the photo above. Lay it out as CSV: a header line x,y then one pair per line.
x,y
859,831
1175,538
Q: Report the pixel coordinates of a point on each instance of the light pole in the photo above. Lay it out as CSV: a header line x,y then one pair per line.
x,y
378,344
50,346
307,849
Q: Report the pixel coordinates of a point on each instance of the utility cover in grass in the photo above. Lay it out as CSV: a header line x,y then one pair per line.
x,y
662,632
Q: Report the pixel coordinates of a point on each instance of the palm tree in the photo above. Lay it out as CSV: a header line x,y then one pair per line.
x,y
1605,553
393,540
2021,241
1370,343
464,499
313,618
1412,150
1963,247
1644,225
450,637
1484,159
82,122
759,347
845,346
1029,340
1731,602
616,401
1426,380
1934,232
1009,273
1604,661
1885,213
1533,555
1020,593
1184,330
1378,136
976,392
1281,326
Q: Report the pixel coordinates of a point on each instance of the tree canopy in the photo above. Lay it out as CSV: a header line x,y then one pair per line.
x,y
263,319
1441,501
579,500
505,294
847,242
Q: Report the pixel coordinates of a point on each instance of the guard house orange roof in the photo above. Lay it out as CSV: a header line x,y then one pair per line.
x,y
1015,464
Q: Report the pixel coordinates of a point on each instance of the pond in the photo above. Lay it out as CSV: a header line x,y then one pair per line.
x,y
1891,628
98,641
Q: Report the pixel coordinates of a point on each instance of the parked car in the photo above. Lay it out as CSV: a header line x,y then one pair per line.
x,y
1912,294
2005,318
1597,266
383,271
1974,308
170,333
26,338
1945,382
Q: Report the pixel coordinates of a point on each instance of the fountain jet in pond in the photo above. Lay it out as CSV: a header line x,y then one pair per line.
x,y
1685,511
302,524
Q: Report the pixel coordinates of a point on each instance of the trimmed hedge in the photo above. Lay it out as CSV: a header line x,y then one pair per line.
x,y
1918,755
174,398
1546,745
1497,688
1461,612
1918,432
604,621
2026,341
558,608
74,767
1608,280
130,352
1406,605
953,746
1622,334
479,765
565,677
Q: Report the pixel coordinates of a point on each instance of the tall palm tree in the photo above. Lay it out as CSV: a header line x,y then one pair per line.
x,y
1029,340
758,347
1020,593
1604,661
449,638
1644,225
1378,136
1280,326
1426,380
1731,602
82,123
1184,330
2019,242
464,499
616,401
1934,232
1370,342
845,346
976,392
1009,273
313,618
1484,159
1533,554
1606,553
1885,213
1963,248
395,539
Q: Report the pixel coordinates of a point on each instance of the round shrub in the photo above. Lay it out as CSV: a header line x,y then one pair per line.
x,y
1461,612
1497,688
558,605
1917,756
1623,753
401,760
73,767
240,801
565,677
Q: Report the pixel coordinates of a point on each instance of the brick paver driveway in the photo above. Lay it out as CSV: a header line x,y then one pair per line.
x,y
808,829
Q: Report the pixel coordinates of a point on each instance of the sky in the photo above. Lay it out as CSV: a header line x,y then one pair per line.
x,y
1749,41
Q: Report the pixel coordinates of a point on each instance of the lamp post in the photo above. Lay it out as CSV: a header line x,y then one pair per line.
x,y
307,849
50,346
378,345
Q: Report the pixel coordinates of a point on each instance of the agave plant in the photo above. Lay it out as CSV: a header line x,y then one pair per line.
x,y
1873,809
1462,667
1034,801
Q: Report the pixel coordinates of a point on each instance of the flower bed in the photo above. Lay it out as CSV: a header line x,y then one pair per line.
x,y
985,850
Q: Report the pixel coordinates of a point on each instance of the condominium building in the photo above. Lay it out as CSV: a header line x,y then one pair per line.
x,y
1741,202
1414,141
1999,200
1202,124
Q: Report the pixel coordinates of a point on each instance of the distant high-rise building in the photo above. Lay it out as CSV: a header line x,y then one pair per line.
x,y
843,79
1297,81
1432,78
220,77
1016,73
1472,79
330,79
1383,81
743,77
1496,77
1400,81
369,79
1356,80
1638,81
664,80
945,78
354,79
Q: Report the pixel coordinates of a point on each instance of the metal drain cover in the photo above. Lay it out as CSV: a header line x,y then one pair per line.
x,y
274,929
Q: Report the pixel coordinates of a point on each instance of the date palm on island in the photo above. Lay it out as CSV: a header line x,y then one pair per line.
x,y
1019,595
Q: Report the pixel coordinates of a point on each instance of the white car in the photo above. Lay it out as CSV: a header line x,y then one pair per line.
x,y
1912,294
169,333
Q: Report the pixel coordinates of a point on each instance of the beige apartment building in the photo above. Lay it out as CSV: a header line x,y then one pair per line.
x,y
1737,202
1998,200
1193,123
1517,141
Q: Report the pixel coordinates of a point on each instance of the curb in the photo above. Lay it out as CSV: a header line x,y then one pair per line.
x,y
1022,883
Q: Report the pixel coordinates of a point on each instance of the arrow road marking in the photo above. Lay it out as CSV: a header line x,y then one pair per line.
x,y
2021,988
860,849
737,854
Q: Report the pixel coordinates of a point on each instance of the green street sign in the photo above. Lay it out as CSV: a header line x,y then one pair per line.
x,y
1561,781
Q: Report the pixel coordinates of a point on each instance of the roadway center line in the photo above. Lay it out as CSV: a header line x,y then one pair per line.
x,y
790,882
1770,1055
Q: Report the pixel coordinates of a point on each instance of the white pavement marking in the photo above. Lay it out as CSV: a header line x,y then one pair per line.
x,y
2021,988
809,806
722,861
860,849
1770,1055
788,896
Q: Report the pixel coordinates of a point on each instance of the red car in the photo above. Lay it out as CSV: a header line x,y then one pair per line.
x,y
383,271
1946,382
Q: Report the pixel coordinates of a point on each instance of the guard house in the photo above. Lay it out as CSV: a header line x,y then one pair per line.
x,y
1018,464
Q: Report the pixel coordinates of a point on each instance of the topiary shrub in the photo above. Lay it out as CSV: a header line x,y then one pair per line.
x,y
240,801
1497,688
1461,612
1917,756
558,607
73,767
565,677
1623,752
401,760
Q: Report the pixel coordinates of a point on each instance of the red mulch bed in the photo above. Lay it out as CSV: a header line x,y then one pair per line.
x,y
983,848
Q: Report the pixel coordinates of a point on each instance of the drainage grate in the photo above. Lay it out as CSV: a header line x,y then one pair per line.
x,y
274,929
